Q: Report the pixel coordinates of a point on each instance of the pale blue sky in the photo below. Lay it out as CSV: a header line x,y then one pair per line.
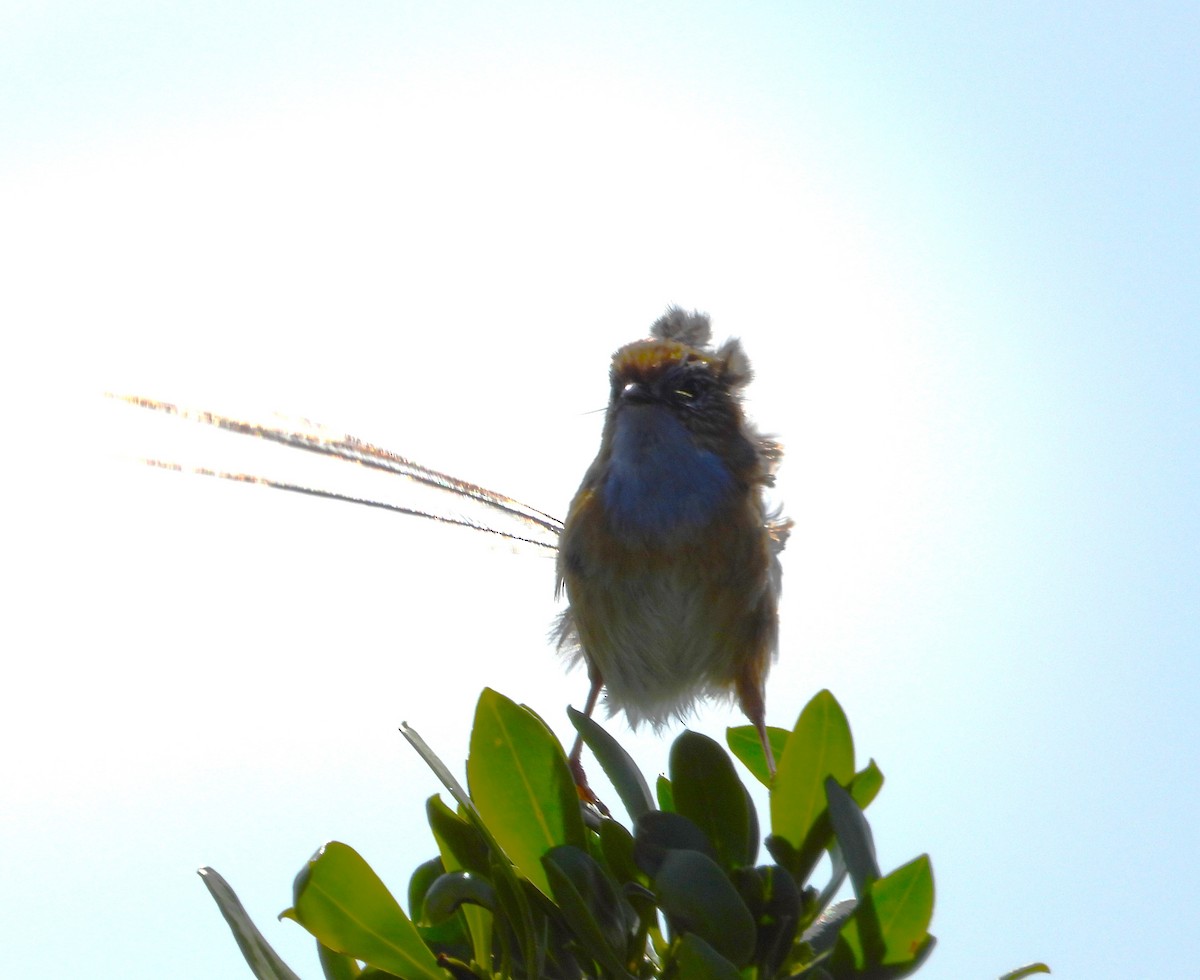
x,y
960,243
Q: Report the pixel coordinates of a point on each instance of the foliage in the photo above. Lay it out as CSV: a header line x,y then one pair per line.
x,y
530,884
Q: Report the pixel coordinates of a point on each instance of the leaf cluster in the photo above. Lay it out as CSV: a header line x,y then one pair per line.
x,y
529,883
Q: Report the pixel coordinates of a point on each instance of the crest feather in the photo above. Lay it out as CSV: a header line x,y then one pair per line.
x,y
693,329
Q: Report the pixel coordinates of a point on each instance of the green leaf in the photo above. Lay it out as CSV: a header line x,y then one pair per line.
x,y
492,863
698,897
617,848
778,919
516,911
463,848
419,881
521,785
617,764
616,844
823,932
708,792
456,888
853,835
744,743
783,852
753,835
263,961
592,904
451,936
1026,971
904,903
437,765
837,878
342,902
460,843
659,832
337,966
841,960
820,746
901,907
697,960
662,789
866,784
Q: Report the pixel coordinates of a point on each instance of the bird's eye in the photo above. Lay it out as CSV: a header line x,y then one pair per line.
x,y
688,389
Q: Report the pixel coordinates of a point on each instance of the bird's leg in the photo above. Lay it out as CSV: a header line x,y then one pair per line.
x,y
588,708
766,744
750,696
575,758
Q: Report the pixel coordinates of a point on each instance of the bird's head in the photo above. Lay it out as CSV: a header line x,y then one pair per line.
x,y
676,442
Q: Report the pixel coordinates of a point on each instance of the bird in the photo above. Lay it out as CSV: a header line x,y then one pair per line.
x,y
669,556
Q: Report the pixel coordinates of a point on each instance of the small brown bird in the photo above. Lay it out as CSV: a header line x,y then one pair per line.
x,y
668,557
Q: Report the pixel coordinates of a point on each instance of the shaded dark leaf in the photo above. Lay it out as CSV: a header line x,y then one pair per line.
x,y
419,881
455,888
853,835
659,832
778,919
752,886
708,792
517,915
618,765
782,851
697,960
458,836
464,848
617,844
592,905
697,896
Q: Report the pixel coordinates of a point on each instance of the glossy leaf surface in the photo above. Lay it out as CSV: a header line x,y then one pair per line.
x,y
343,903
901,906
743,742
820,746
866,784
456,888
521,785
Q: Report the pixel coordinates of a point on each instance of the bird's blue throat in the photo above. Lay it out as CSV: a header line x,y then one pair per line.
x,y
658,480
